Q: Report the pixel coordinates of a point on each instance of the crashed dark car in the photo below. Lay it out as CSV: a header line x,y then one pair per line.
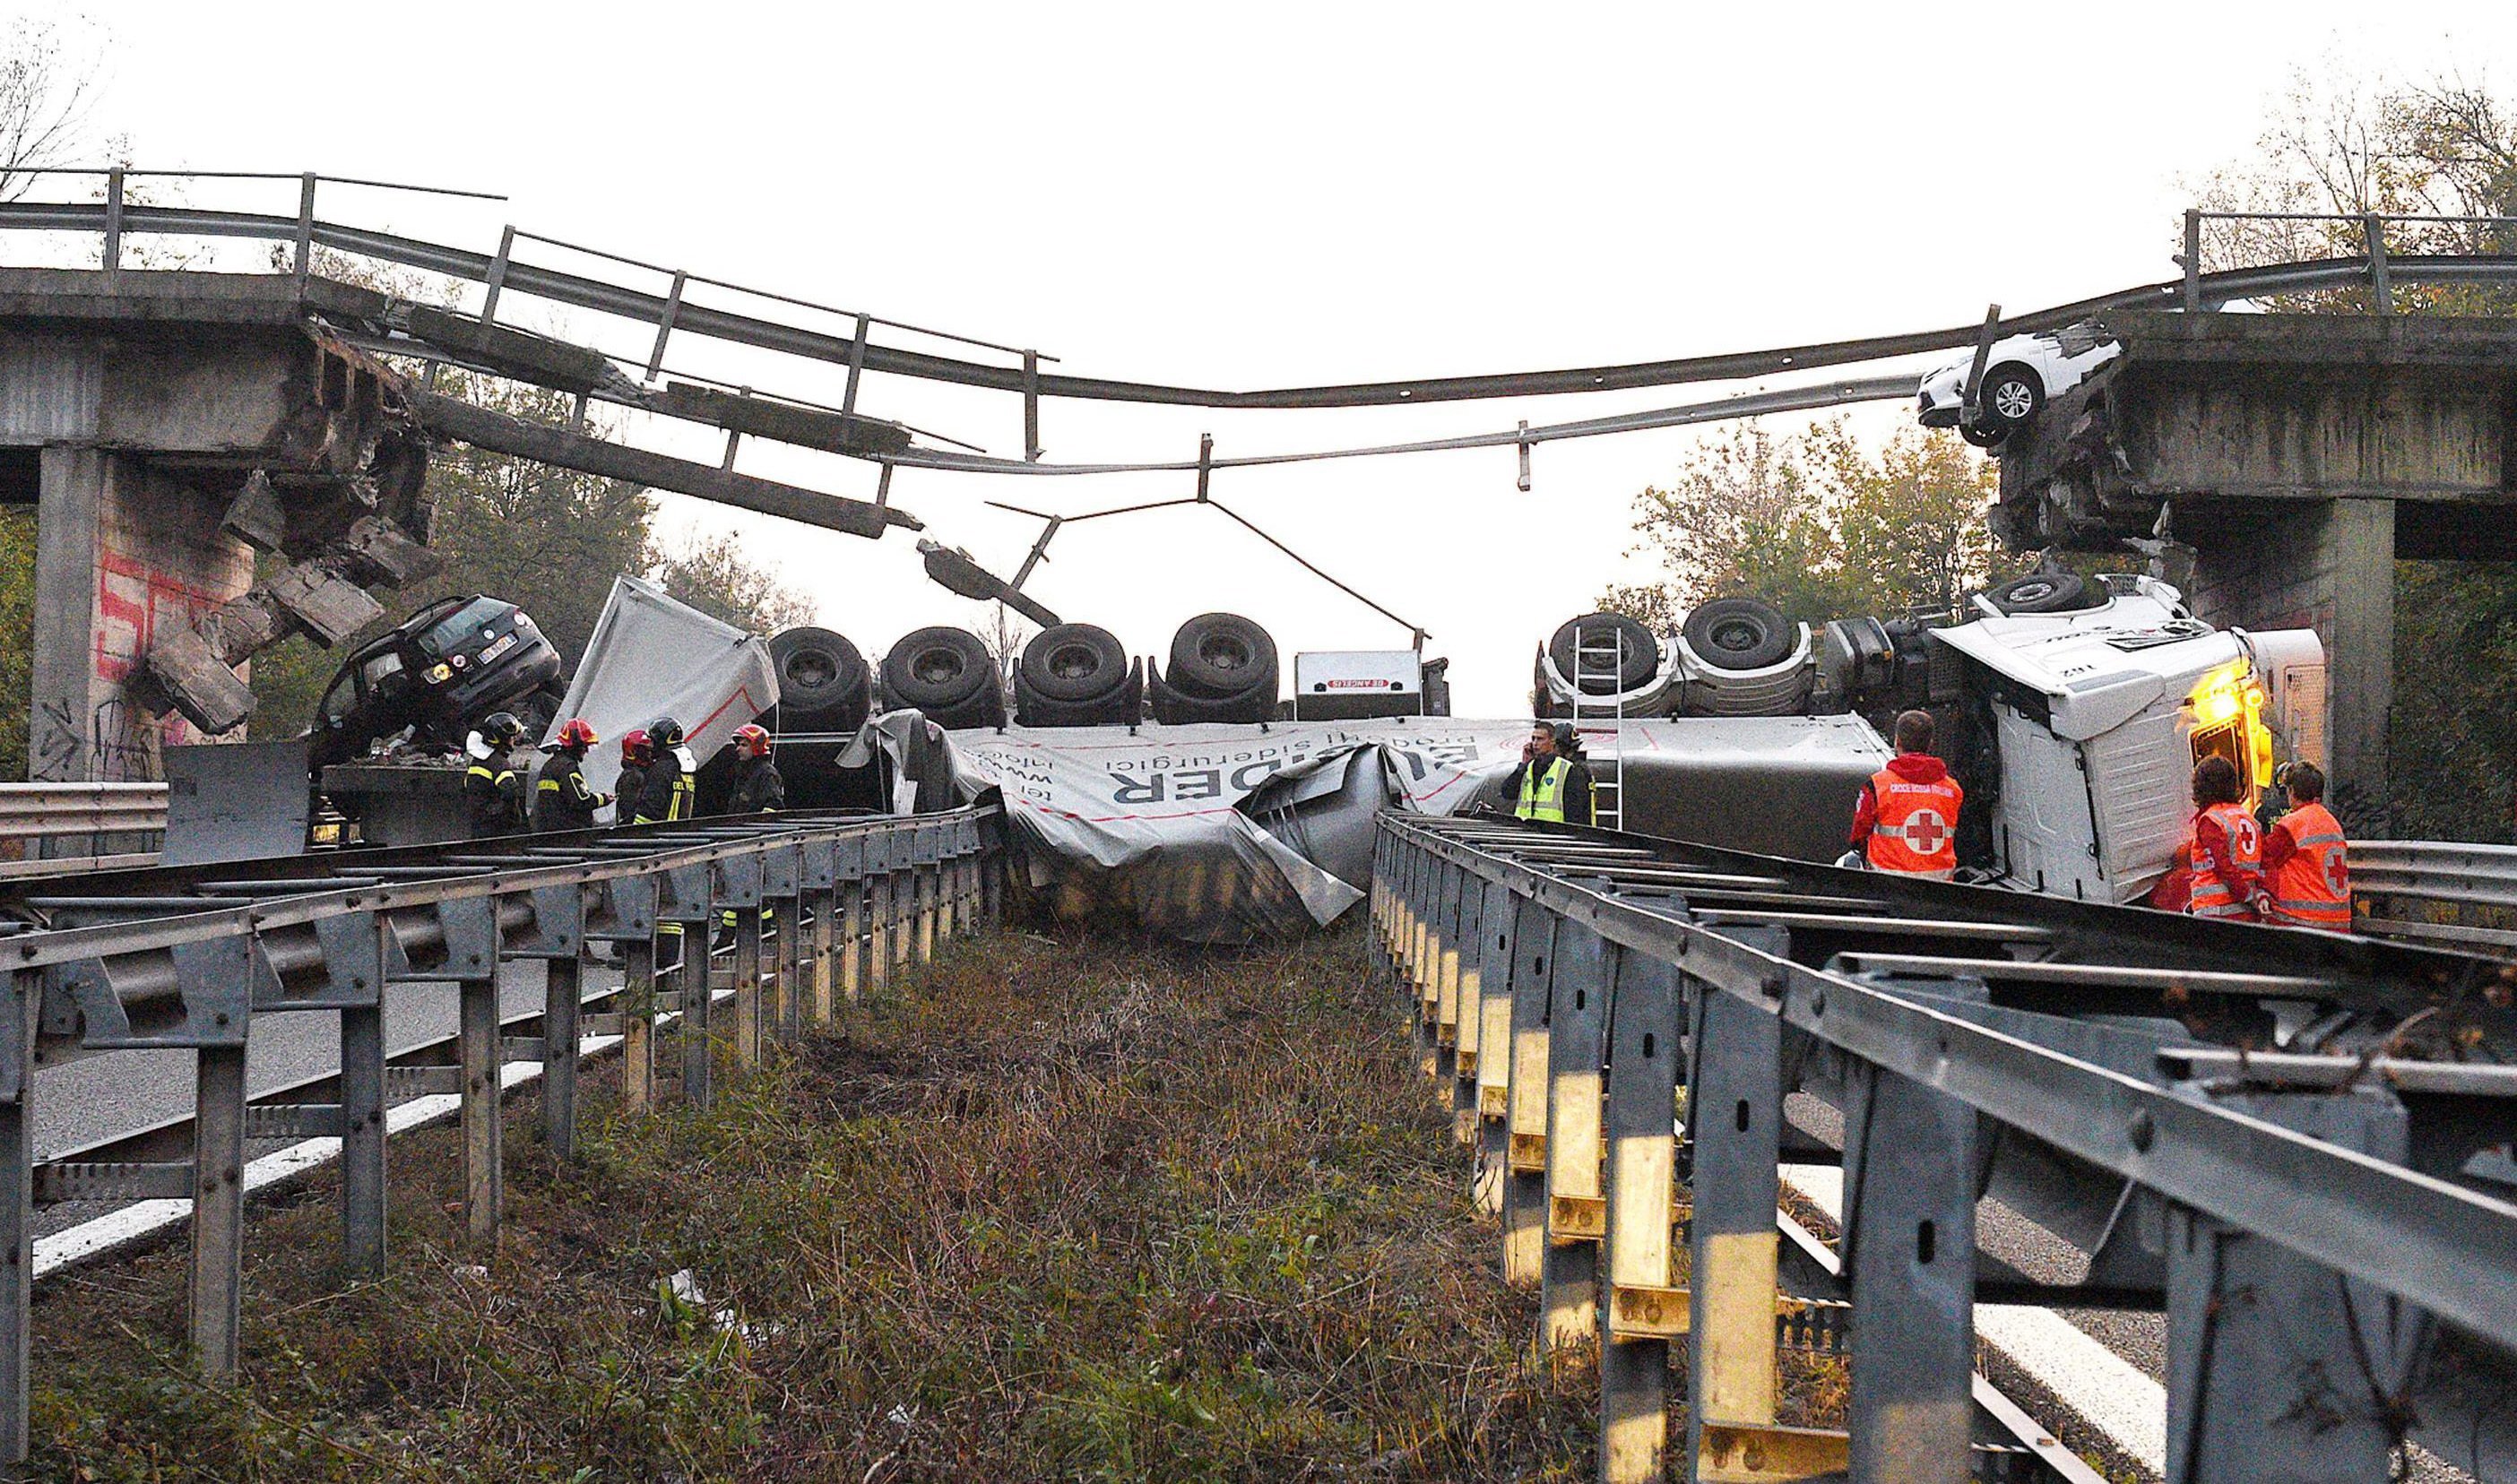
x,y
450,663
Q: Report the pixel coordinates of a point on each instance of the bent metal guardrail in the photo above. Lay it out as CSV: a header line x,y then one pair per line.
x,y
184,958
50,816
666,306
2327,1226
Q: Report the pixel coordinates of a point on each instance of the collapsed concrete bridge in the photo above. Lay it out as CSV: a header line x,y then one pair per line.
x,y
168,427
2299,456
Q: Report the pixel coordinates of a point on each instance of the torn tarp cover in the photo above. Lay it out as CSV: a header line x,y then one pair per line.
x,y
652,656
1150,818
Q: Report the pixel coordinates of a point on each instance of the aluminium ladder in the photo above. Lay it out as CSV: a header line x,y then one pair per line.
x,y
1600,660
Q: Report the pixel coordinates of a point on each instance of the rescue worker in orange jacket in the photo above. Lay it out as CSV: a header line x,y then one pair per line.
x,y
2306,867
2227,845
1908,817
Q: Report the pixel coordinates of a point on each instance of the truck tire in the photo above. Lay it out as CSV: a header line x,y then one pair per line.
x,y
1220,657
2041,592
1074,662
938,669
1641,657
1739,634
823,682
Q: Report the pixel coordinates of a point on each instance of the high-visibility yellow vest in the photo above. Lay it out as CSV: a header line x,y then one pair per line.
x,y
1542,794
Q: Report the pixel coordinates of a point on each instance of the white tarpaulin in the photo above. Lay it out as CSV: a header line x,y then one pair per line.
x,y
1152,820
1221,832
653,657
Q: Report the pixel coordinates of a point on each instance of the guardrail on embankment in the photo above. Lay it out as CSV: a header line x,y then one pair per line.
x,y
182,958
2437,890
2319,1224
52,828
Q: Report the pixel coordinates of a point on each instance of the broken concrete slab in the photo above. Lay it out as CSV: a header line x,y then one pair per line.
x,y
330,608
255,516
567,450
382,554
784,421
510,351
208,695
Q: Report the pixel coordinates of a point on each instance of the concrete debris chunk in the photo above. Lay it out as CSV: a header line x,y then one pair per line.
x,y
330,608
256,518
201,687
375,550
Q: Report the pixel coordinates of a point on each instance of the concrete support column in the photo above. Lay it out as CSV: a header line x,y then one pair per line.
x,y
120,553
2326,565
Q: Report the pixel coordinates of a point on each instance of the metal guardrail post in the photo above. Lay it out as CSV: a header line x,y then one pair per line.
x,y
218,1207
1450,897
1910,1254
1524,1184
746,985
824,950
922,880
112,257
1468,1009
362,1136
472,953
1494,1041
2192,261
563,1008
1643,1311
304,261
496,279
664,323
1577,1026
17,1030
2272,1359
852,928
2381,290
1735,1112
697,1025
638,1025
1032,450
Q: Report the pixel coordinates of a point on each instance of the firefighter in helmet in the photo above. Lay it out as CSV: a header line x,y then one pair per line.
x,y
757,788
493,795
561,799
670,791
637,755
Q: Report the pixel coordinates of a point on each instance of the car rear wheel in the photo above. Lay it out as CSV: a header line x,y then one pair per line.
x,y
2010,395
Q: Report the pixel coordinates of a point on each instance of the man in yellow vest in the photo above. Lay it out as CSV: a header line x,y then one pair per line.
x,y
1552,783
2306,864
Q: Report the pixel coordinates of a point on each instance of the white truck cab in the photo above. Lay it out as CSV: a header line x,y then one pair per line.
x,y
2089,722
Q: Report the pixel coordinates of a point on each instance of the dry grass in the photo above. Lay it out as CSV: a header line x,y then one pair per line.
x,y
1128,1212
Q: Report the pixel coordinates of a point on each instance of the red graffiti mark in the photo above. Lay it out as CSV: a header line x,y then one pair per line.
x,y
131,601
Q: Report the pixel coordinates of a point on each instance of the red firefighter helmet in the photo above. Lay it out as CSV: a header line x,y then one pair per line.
x,y
578,733
634,748
751,741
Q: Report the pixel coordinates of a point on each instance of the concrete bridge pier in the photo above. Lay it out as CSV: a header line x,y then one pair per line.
x,y
121,553
2299,456
2326,565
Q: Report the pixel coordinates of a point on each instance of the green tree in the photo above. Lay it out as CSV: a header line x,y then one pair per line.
x,y
712,575
16,634
1818,525
2446,148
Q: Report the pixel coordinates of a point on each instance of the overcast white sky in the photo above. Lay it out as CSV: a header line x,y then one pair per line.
x,y
1280,193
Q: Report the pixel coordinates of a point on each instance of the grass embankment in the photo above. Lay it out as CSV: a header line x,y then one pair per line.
x,y
1047,1212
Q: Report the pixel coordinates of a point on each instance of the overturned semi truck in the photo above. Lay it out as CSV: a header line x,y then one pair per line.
x,y
2071,710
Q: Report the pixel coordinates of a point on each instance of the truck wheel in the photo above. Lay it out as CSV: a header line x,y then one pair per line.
x,y
1222,655
2010,396
822,678
1642,661
1739,634
2043,592
1074,662
938,668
